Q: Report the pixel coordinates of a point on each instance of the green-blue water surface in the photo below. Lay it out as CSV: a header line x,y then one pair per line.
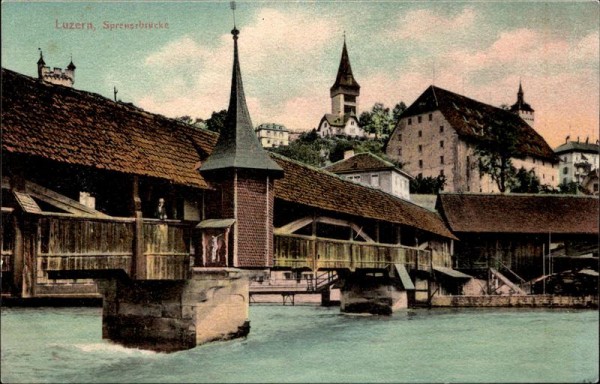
x,y
315,344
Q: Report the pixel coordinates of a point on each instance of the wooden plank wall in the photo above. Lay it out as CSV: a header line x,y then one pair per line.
x,y
166,252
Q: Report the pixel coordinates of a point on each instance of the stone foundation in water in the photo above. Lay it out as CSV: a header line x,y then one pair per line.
x,y
368,294
526,301
168,316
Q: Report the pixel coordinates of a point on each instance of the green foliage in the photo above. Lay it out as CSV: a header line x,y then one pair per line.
x,y
378,121
525,182
398,110
197,122
495,151
216,121
570,188
427,185
314,150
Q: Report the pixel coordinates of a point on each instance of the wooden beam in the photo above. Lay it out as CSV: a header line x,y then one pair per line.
x,y
139,259
59,200
345,223
293,226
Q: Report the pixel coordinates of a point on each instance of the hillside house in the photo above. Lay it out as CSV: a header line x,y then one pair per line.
x,y
369,169
343,121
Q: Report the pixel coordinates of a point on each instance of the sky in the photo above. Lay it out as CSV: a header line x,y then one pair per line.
x,y
290,52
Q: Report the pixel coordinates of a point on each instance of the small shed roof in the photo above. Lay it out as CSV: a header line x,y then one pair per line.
x,y
519,213
363,162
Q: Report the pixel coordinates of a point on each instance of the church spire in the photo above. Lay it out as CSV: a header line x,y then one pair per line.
x,y
344,81
345,91
237,146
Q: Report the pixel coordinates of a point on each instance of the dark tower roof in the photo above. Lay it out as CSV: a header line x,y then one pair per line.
x,y
41,60
71,66
520,105
345,82
238,146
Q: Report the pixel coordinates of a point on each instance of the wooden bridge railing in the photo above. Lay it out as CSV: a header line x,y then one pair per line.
x,y
297,251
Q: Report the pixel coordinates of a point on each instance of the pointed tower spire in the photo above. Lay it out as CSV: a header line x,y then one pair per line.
x,y
237,146
71,66
523,109
345,91
40,65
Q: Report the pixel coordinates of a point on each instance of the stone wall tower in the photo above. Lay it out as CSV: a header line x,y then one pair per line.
x,y
523,109
345,91
242,175
56,75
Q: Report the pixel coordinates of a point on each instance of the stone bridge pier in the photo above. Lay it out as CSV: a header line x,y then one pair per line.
x,y
379,292
168,316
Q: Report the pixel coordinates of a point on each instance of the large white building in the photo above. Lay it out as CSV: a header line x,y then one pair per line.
x,y
272,135
577,160
437,135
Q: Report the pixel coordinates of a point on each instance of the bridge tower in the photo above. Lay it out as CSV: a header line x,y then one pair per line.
x,y
242,174
213,302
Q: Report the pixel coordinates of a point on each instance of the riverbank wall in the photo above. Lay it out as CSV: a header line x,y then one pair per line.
x,y
526,301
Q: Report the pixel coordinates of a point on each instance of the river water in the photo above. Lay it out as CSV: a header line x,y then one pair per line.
x,y
315,344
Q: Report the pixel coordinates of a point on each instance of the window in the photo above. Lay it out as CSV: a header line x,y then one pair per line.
x,y
352,122
534,161
441,129
409,121
430,117
400,137
420,175
420,133
441,159
375,180
419,118
596,187
442,144
565,170
552,178
565,180
441,172
400,151
420,148
543,163
420,163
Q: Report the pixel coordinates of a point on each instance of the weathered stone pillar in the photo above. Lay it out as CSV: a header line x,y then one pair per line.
x,y
168,316
368,292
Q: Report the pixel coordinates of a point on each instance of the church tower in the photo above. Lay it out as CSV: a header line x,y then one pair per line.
x,y
523,109
242,176
345,91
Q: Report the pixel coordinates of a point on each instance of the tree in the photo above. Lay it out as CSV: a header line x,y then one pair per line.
x,y
495,151
216,121
197,122
427,185
525,182
398,110
378,121
569,188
